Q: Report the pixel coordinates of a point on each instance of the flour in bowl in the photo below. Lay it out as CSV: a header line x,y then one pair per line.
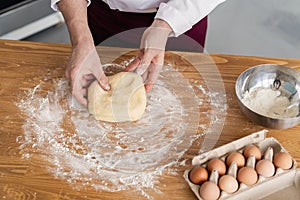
x,y
269,102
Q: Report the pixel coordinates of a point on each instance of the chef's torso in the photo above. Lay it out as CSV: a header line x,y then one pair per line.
x,y
135,5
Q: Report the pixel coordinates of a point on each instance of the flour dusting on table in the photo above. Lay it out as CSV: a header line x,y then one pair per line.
x,y
110,156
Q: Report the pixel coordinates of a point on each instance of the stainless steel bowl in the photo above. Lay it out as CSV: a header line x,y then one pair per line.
x,y
276,77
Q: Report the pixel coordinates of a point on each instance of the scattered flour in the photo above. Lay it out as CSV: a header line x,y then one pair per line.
x,y
129,155
110,156
269,102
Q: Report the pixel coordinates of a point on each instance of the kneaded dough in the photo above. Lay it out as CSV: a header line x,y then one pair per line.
x,y
125,101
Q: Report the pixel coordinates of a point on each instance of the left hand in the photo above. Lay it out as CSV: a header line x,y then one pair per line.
x,y
150,58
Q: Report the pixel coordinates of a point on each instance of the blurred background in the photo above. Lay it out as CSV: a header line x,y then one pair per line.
x,y
268,28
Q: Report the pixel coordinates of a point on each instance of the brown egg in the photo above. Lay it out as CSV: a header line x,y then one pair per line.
x,y
247,175
198,175
283,160
216,164
252,150
228,184
236,157
265,168
209,191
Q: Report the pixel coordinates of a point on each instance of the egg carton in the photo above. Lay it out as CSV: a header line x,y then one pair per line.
x,y
284,183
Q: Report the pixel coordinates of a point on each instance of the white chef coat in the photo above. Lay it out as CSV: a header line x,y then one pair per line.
x,y
181,15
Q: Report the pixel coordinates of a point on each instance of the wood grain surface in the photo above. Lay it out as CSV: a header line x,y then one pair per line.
x,y
23,65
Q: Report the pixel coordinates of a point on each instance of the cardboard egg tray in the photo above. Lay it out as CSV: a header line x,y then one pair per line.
x,y
284,184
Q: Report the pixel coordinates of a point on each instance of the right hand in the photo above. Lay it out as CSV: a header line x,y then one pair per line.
x,y
150,59
84,67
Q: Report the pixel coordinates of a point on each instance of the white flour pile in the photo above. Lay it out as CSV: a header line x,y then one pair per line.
x,y
269,102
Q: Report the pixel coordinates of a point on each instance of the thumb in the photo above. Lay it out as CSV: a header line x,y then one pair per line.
x,y
96,69
102,79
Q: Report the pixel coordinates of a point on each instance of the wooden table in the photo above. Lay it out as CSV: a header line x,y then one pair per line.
x,y
22,66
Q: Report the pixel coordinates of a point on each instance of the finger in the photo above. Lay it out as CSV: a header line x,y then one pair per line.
x,y
80,94
145,75
133,65
149,86
77,83
85,83
95,68
101,77
145,61
87,80
89,77
153,73
103,81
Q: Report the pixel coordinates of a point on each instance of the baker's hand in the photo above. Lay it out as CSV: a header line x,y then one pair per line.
x,y
84,67
150,58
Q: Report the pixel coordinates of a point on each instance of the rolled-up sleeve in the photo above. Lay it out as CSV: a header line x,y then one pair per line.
x,y
181,15
54,4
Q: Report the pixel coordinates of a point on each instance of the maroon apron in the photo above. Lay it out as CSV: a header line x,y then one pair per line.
x,y
124,29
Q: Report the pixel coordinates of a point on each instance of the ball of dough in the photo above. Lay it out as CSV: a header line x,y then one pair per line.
x,y
125,101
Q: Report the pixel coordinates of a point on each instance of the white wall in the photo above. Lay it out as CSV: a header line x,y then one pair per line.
x,y
255,27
